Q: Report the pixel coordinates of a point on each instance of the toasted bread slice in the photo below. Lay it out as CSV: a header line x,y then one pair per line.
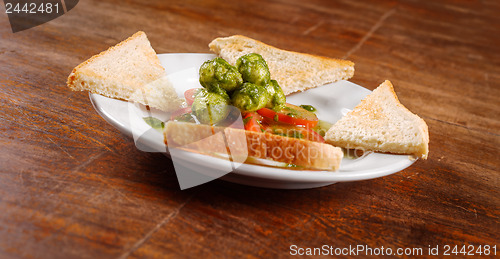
x,y
122,70
381,123
294,71
301,153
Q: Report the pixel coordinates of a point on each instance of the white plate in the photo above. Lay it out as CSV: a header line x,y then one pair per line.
x,y
332,102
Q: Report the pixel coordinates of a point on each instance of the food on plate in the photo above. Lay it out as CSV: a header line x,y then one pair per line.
x,y
258,97
291,114
217,73
129,71
250,80
293,131
308,107
273,129
277,97
250,97
381,123
322,127
223,85
294,152
190,94
293,71
253,69
209,107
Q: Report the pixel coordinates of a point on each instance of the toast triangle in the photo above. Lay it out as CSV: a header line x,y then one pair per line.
x,y
381,123
294,71
129,71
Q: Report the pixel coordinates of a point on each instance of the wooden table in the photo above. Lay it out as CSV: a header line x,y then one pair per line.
x,y
72,186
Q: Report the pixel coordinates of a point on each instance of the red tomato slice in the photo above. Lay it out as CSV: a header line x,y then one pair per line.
x,y
292,131
252,121
314,136
190,94
291,114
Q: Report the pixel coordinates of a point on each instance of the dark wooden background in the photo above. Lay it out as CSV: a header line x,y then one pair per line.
x,y
72,186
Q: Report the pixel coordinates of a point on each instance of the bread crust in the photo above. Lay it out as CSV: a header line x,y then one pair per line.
x,y
140,34
302,153
129,71
381,123
294,71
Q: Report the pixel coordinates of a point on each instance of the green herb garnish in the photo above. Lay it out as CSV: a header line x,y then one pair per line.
x,y
247,119
308,107
155,123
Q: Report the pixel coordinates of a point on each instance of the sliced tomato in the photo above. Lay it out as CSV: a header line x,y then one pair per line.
x,y
252,121
291,114
180,112
292,131
190,94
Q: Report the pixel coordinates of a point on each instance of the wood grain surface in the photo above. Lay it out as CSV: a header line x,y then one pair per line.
x,y
72,186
